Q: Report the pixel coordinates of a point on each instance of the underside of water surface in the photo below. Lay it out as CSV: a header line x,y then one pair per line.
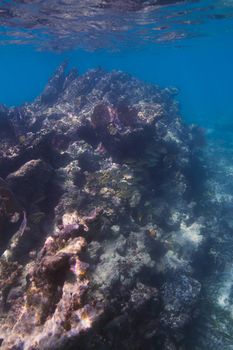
x,y
116,175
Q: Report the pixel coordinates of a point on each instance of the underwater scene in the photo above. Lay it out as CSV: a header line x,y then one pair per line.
x,y
116,175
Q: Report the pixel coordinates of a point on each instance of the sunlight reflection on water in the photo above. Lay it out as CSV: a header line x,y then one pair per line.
x,y
60,25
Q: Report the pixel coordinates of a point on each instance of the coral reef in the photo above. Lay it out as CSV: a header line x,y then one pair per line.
x,y
104,207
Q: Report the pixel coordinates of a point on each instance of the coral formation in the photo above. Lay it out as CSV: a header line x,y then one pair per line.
x,y
99,170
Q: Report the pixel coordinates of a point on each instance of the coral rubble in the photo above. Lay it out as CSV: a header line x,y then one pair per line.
x,y
100,218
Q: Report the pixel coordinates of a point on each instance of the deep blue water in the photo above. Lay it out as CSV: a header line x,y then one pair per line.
x,y
200,68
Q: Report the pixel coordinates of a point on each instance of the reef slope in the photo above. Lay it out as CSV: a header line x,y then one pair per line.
x,y
100,220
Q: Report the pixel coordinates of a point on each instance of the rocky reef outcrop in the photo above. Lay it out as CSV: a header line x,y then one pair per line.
x,y
100,220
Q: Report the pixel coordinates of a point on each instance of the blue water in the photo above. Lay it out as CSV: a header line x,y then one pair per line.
x,y
201,69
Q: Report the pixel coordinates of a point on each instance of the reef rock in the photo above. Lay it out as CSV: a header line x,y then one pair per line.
x,y
109,227
29,181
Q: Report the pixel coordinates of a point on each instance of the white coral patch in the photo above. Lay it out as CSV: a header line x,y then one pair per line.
x,y
188,238
70,218
224,298
191,233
